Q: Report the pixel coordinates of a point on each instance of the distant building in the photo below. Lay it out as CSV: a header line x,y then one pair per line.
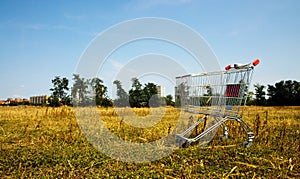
x,y
25,101
161,91
9,100
39,99
2,102
15,101
18,100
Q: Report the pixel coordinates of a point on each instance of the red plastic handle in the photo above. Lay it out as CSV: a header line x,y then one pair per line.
x,y
238,66
227,67
256,62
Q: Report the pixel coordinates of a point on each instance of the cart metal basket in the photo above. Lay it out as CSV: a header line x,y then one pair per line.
x,y
218,97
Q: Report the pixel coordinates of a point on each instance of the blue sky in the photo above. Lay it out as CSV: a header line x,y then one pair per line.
x,y
43,39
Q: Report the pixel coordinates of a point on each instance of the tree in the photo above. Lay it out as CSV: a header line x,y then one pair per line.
x,y
59,94
284,93
150,95
106,102
250,100
169,101
136,94
99,91
260,95
209,91
79,90
140,96
206,99
123,99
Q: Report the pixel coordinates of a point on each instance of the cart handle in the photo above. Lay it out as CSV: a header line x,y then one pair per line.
x,y
241,66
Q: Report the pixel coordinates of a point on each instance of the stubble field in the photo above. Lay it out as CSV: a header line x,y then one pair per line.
x,y
47,142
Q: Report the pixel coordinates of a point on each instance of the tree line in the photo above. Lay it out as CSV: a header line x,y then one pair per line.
x,y
94,92
85,92
283,93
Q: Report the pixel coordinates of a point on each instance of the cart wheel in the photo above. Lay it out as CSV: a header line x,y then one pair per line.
x,y
247,144
181,143
186,144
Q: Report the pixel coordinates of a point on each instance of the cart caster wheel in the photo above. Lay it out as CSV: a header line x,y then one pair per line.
x,y
247,144
181,143
185,145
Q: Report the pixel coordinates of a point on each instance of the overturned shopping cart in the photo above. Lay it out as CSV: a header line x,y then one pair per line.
x,y
218,97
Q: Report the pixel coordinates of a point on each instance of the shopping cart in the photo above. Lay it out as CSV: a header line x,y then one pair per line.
x,y
217,97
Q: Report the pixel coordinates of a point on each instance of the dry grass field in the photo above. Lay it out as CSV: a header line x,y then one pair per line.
x,y
47,142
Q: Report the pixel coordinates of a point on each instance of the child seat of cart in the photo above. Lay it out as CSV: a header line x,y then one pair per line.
x,y
232,91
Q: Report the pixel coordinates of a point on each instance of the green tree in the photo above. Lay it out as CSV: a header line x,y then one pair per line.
x,y
136,94
250,100
59,94
206,99
123,99
99,91
209,91
169,100
106,102
79,90
284,93
260,95
150,95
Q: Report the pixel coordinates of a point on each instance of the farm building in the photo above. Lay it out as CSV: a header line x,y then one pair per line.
x,y
43,99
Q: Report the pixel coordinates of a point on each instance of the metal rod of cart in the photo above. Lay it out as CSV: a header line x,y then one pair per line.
x,y
218,97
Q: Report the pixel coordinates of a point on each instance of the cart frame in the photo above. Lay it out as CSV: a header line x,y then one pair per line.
x,y
220,96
